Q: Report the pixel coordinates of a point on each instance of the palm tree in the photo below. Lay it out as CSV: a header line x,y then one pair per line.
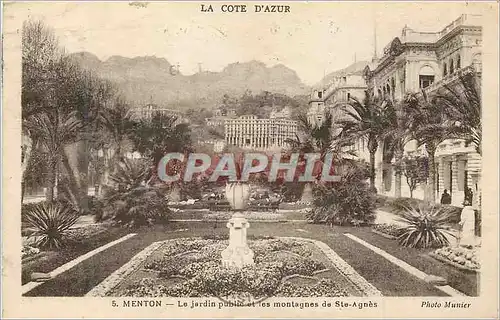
x,y
397,136
429,126
313,137
316,138
118,122
115,125
159,135
40,53
462,104
53,131
367,119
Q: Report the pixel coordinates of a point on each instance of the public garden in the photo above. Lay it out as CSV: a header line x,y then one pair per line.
x,y
106,225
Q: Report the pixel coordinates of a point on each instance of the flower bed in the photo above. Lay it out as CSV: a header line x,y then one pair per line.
x,y
387,230
193,268
29,252
220,215
462,258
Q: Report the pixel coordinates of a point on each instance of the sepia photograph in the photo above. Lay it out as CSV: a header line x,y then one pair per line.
x,y
314,159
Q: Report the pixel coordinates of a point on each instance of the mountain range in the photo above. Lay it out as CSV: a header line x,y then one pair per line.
x,y
150,79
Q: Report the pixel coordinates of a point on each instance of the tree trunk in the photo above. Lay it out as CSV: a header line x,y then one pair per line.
x,y
104,179
372,148
397,178
71,187
51,179
307,194
77,166
83,168
175,194
431,150
27,145
372,170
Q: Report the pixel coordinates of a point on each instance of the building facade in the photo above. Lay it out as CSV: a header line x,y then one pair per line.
x,y
416,62
259,134
427,61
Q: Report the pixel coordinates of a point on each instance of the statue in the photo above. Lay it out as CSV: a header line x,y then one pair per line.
x,y
467,230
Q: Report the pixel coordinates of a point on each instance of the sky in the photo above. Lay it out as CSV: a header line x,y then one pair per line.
x,y
313,39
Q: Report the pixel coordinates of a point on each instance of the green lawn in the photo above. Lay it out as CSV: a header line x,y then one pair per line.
x,y
73,249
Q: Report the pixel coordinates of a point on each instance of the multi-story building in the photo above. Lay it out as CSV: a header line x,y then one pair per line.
x,y
428,61
415,62
147,112
341,89
260,134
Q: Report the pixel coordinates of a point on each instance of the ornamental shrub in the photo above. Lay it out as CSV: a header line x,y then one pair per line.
x,y
347,202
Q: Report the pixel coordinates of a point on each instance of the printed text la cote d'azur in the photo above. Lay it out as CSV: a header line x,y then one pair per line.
x,y
243,8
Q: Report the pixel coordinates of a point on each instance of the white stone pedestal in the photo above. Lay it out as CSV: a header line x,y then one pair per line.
x,y
237,254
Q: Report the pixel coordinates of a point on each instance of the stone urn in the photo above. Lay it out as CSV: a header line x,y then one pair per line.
x,y
237,194
237,254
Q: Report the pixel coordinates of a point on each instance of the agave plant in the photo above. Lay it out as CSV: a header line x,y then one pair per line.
x,y
425,227
50,223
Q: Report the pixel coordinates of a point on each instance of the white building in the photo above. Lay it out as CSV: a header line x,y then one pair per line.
x,y
259,134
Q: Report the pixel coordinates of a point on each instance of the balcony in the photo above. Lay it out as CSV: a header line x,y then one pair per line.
x,y
463,20
450,79
453,147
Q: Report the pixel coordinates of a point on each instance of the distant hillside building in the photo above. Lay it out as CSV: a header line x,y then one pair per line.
x,y
259,134
148,110
284,113
220,116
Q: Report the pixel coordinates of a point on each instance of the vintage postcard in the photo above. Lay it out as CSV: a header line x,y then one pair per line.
x,y
250,159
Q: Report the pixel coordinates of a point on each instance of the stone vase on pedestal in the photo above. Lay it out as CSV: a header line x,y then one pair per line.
x,y
238,194
237,254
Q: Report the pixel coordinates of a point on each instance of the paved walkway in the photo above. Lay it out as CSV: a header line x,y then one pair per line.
x,y
41,197
390,279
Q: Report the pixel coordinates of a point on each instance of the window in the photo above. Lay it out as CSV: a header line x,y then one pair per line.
x,y
445,70
425,81
348,96
476,62
320,94
426,76
451,66
458,62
